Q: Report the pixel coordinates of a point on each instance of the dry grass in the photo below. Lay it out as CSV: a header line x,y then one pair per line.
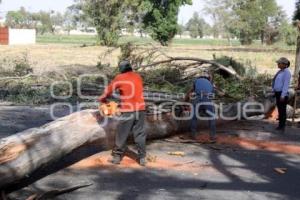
x,y
60,57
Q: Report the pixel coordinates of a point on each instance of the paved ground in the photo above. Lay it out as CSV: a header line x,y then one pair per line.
x,y
241,167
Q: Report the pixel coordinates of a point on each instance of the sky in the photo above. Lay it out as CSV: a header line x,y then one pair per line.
x,y
185,14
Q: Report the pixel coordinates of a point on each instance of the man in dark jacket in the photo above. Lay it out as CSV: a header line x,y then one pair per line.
x,y
130,86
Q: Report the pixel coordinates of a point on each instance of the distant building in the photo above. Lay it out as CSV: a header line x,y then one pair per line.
x,y
84,31
10,36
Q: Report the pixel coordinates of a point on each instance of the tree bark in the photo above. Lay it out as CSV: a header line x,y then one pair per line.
x,y
218,65
24,153
297,64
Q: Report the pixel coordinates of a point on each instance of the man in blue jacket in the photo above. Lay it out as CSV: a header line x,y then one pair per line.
x,y
203,94
280,86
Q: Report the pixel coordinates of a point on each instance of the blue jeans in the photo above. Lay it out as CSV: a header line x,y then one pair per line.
x,y
209,110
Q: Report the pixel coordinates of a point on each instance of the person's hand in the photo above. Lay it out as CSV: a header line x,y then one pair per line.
x,y
102,100
187,98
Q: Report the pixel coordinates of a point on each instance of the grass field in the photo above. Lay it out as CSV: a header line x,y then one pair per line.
x,y
92,40
81,53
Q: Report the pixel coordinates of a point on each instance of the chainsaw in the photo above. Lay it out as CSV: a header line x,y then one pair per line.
x,y
109,109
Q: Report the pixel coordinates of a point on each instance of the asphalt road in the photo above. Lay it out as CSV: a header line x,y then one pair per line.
x,y
205,172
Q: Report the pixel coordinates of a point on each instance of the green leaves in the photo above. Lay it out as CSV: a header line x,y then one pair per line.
x,y
107,17
159,17
248,20
161,20
197,26
297,11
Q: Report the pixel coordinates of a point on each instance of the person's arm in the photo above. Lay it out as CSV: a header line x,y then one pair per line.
x,y
286,84
219,91
108,91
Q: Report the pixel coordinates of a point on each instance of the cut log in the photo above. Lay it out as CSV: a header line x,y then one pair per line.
x,y
24,153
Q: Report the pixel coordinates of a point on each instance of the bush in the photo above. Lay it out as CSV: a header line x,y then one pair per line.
x,y
19,66
288,34
22,66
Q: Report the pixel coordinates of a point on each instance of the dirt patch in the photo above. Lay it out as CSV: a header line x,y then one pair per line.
x,y
251,144
165,162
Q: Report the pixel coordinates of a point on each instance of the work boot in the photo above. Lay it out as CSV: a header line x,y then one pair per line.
x,y
212,140
143,162
116,160
193,135
280,129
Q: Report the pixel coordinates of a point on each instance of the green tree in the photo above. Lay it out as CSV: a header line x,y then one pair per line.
x,y
222,14
19,19
45,23
297,11
197,26
270,15
248,22
181,29
161,19
275,28
296,19
246,19
71,19
57,19
106,16
288,33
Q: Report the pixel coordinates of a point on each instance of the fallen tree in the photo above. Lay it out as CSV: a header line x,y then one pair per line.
x,y
198,64
24,153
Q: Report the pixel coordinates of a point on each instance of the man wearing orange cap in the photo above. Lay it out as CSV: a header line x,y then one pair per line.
x,y
132,106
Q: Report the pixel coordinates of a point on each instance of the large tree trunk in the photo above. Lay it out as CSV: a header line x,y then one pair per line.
x,y
23,154
297,64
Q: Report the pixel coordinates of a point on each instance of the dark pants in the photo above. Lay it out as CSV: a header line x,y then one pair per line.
x,y
209,110
281,106
130,122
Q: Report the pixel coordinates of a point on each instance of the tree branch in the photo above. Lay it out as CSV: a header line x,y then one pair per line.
x,y
218,65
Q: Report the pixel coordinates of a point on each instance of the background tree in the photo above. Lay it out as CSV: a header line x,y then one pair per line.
x,y
71,19
57,19
197,26
221,14
181,30
246,19
275,28
248,23
19,19
45,24
270,15
297,24
106,16
288,34
161,19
